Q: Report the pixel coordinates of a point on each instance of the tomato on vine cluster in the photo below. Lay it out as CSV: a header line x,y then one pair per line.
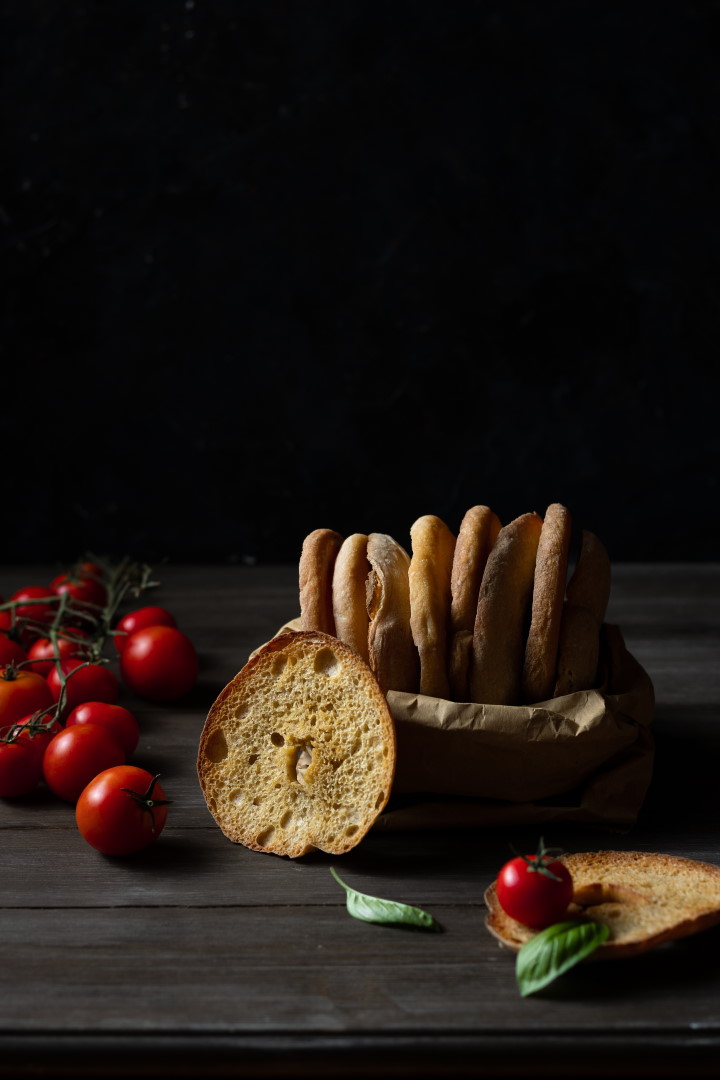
x,y
59,717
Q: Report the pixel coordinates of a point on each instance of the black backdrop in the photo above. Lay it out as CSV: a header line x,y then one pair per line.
x,y
274,266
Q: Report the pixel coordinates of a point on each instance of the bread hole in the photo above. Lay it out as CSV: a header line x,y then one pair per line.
x,y
252,759
258,800
380,800
277,739
327,663
303,761
241,710
236,797
216,748
266,837
278,665
355,747
286,819
600,892
385,751
351,830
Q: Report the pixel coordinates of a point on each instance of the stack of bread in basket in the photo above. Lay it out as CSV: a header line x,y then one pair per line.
x,y
470,679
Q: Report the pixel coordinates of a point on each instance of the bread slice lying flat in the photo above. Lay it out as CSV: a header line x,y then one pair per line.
x,y
298,752
644,899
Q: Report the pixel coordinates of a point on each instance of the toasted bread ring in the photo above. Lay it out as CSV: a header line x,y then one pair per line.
x,y
393,656
317,561
541,648
349,594
433,546
499,636
478,532
588,593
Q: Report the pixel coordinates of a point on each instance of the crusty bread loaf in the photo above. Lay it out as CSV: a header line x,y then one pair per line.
x,y
349,594
588,593
505,592
477,534
317,561
298,751
541,647
393,655
644,899
433,547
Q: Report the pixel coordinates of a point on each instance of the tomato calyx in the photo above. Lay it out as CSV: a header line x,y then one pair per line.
x,y
538,863
146,801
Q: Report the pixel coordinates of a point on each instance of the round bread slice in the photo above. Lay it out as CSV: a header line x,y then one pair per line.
x,y
349,589
298,752
433,547
503,602
317,562
541,647
644,899
477,534
393,655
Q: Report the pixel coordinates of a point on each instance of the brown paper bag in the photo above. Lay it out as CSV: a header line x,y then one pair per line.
x,y
585,757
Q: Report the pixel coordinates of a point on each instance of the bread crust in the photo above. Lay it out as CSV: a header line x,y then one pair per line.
x,y
478,532
250,748
588,593
317,561
349,588
393,655
503,602
645,900
433,547
541,648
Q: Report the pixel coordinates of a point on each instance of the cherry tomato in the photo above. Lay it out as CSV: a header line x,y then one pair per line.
x,y
535,889
11,652
81,589
15,629
20,768
138,620
159,663
118,821
76,755
94,682
89,569
38,613
39,731
21,692
43,650
120,722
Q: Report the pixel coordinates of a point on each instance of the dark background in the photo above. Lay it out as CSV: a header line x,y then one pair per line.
x,y
276,266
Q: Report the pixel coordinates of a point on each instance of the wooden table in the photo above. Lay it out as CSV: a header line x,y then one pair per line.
x,y
201,958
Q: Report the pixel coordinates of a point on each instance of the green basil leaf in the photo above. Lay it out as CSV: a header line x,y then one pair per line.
x,y
555,950
373,909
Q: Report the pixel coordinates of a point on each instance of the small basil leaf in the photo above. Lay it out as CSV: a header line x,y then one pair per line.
x,y
373,909
555,950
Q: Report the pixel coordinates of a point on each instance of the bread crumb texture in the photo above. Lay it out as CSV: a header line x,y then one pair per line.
x,y
298,752
644,899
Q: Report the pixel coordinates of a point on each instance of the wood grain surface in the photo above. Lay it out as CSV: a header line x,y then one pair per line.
x,y
200,958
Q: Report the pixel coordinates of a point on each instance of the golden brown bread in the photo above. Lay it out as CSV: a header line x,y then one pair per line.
x,y
644,899
393,656
541,647
298,751
503,602
478,531
349,588
317,561
588,593
433,546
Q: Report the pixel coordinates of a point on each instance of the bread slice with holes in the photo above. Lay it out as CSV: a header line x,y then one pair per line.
x,y
643,898
298,752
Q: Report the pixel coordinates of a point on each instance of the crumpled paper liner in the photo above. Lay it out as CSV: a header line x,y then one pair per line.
x,y
584,757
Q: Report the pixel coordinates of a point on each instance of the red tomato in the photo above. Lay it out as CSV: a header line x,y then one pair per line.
x,y
89,569
11,652
21,692
535,889
81,589
122,810
43,650
76,755
159,663
39,731
120,722
19,768
138,620
36,612
93,682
